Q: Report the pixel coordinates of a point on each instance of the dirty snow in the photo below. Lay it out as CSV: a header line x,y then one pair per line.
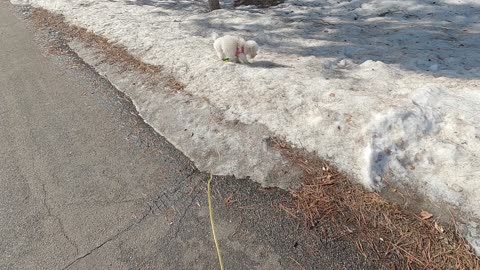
x,y
215,145
387,90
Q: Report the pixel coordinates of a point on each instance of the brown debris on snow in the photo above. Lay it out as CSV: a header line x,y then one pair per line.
x,y
114,53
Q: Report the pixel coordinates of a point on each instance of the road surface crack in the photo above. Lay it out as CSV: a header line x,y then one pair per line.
x,y
57,218
113,237
194,197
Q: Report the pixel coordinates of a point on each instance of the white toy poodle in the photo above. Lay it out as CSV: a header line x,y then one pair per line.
x,y
233,48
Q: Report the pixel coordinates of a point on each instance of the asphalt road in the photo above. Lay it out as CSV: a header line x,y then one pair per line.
x,y
86,184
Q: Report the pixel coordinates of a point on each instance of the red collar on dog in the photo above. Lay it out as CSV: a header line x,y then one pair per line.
x,y
239,51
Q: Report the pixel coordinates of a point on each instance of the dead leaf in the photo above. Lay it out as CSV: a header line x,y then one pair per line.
x,y
439,227
229,200
424,215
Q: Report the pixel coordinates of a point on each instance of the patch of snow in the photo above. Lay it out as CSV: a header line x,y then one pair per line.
x,y
387,90
424,145
214,144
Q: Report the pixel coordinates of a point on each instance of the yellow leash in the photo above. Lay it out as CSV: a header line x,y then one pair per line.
x,y
210,210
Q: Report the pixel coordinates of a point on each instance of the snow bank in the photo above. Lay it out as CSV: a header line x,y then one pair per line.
x,y
387,90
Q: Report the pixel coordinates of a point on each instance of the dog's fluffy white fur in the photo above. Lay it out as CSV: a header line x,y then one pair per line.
x,y
234,48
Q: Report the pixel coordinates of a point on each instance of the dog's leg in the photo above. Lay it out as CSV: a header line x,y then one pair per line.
x,y
218,49
221,55
243,58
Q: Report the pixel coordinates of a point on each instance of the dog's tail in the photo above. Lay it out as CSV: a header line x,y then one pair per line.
x,y
215,35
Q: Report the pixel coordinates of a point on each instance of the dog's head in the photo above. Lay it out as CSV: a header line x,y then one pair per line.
x,y
251,48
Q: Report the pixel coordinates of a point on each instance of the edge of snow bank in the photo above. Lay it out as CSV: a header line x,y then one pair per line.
x,y
196,127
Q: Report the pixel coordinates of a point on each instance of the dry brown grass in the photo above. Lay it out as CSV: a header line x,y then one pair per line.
x,y
114,54
381,230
